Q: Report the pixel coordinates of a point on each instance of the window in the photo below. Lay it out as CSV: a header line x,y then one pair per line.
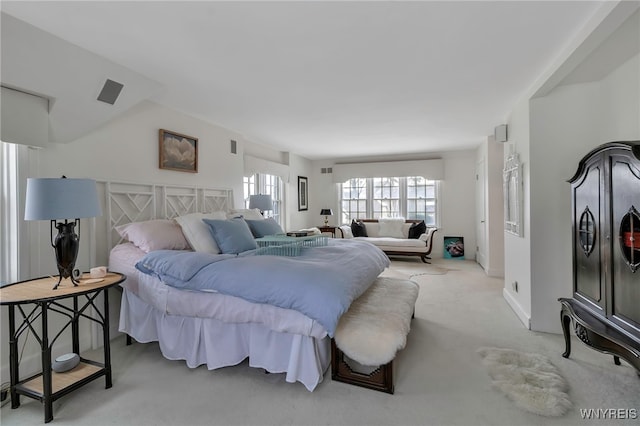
x,y
421,199
354,199
265,184
386,197
410,197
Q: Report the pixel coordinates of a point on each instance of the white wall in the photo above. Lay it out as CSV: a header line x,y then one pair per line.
x,y
457,196
620,102
300,166
564,123
517,250
489,155
570,122
126,149
552,133
295,166
458,202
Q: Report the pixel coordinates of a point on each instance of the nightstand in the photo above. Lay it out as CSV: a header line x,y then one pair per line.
x,y
48,386
329,229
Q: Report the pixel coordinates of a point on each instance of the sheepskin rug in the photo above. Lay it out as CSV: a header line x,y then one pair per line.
x,y
529,380
376,325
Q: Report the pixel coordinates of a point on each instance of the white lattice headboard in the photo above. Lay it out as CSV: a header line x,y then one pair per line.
x,y
135,202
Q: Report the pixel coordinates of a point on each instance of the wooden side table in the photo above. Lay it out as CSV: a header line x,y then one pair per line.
x,y
48,386
329,229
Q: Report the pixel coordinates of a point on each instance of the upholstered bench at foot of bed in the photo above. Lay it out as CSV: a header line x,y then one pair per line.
x,y
371,332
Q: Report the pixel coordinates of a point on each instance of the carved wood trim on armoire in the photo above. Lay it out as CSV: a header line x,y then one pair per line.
x,y
605,211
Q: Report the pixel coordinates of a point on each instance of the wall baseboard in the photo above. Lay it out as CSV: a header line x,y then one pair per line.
x,y
495,273
517,309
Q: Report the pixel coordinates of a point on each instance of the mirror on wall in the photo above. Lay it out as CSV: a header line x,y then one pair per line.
x,y
512,175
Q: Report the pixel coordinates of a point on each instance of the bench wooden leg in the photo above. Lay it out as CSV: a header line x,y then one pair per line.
x,y
381,379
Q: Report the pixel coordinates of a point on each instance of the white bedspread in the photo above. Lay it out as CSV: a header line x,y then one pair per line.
x,y
218,330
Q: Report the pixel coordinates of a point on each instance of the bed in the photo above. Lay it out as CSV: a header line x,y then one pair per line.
x,y
210,326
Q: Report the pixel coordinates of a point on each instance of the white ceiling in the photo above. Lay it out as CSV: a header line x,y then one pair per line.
x,y
329,79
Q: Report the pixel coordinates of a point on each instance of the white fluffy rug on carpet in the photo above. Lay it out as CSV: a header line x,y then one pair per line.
x,y
529,380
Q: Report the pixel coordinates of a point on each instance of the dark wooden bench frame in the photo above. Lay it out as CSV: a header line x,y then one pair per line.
x,y
380,379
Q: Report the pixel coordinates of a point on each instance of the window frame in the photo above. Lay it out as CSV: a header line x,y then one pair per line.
x,y
264,183
15,246
403,199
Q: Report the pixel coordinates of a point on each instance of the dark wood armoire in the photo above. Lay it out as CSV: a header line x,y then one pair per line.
x,y
605,211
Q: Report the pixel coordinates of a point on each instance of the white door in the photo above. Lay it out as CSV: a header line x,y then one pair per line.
x,y
481,223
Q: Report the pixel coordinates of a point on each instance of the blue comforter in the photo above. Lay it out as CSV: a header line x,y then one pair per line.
x,y
320,283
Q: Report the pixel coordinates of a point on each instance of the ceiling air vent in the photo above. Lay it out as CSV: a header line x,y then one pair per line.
x,y
110,92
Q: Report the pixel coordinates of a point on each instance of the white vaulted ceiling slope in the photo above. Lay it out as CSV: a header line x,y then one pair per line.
x,y
329,79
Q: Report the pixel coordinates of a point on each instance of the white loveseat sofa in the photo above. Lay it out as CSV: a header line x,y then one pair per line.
x,y
393,238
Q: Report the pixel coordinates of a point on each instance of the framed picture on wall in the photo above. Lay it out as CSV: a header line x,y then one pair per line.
x,y
303,193
178,152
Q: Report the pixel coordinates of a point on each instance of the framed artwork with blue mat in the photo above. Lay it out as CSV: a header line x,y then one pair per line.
x,y
453,247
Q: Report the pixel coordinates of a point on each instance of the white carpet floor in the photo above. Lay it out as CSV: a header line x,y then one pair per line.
x,y
440,379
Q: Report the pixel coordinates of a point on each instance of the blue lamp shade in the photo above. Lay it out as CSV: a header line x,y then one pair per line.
x,y
61,198
261,202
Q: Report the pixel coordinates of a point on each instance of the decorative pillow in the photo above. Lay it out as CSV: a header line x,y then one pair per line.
x,y
232,236
197,232
158,234
251,214
346,231
262,228
391,227
358,229
417,229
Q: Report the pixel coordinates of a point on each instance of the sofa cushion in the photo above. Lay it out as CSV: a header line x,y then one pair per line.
x,y
358,229
417,229
396,244
392,227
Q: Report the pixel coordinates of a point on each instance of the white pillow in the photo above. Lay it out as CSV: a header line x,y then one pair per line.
x,y
346,231
157,234
391,227
197,232
247,214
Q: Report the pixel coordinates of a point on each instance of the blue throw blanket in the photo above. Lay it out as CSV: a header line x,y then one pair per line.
x,y
320,283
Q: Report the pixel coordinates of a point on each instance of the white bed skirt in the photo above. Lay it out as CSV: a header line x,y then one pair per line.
x,y
218,344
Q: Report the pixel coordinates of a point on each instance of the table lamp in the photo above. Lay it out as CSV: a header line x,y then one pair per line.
x,y
326,213
58,199
262,202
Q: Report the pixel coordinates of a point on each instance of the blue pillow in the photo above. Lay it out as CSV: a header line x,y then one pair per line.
x,y
262,228
233,236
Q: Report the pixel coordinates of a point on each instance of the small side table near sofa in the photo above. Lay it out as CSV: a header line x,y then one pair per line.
x,y
47,386
328,229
